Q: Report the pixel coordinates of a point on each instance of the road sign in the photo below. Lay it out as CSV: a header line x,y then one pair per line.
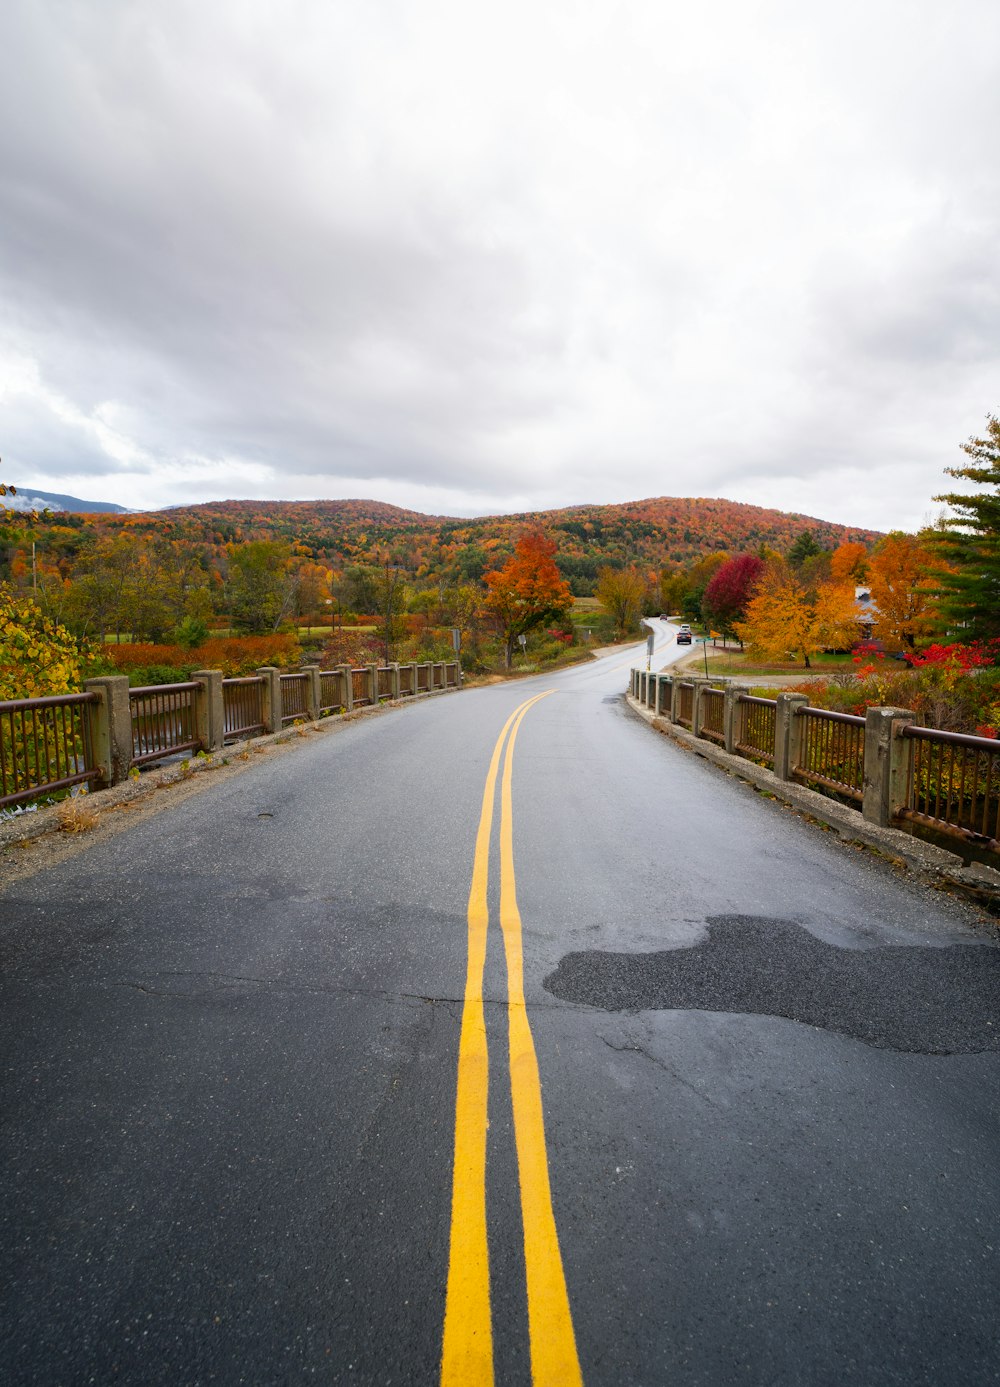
x,y
456,639
650,641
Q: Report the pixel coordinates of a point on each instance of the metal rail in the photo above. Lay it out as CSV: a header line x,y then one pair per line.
x,y
685,704
46,745
954,784
832,752
294,696
243,706
162,721
713,709
756,723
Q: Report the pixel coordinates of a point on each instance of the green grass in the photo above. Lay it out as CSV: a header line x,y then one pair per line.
x,y
731,662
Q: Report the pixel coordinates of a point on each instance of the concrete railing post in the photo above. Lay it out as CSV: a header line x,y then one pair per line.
x,y
731,715
314,691
700,684
787,733
209,711
347,685
887,764
373,685
112,728
394,681
271,700
675,697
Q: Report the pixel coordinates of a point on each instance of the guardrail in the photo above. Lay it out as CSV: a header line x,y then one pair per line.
x,y
163,721
756,722
954,784
46,745
831,752
243,707
294,696
897,773
97,737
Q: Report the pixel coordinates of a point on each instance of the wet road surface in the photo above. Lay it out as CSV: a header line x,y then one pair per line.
x,y
742,1129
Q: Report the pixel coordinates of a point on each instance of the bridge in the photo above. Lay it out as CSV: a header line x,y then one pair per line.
x,y
494,1039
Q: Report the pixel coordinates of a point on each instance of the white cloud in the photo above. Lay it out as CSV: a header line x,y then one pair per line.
x,y
477,258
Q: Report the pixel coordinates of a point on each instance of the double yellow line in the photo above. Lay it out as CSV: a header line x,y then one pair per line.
x,y
467,1355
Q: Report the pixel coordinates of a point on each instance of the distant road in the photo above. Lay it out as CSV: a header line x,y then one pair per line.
x,y
726,1110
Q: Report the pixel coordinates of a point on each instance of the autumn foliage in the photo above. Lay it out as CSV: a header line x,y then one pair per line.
x,y
38,657
786,617
729,591
233,655
527,591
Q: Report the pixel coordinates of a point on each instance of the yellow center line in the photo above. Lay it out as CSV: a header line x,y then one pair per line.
x,y
554,1361
467,1351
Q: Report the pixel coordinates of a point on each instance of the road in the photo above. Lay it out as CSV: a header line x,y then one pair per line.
x,y
419,1054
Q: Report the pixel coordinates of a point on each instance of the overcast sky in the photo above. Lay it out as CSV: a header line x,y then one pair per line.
x,y
477,257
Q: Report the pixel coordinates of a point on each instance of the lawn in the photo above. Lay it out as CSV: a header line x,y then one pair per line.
x,y
735,662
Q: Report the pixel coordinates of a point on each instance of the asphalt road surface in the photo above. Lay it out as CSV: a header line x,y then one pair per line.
x,y
495,1038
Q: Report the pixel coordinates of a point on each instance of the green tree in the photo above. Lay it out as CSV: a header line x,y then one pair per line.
x,y
805,547
261,588
390,601
968,542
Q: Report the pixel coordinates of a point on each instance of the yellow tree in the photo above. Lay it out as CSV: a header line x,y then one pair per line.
x,y
902,590
38,657
786,618
621,592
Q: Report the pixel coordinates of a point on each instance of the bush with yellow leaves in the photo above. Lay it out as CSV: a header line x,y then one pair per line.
x,y
37,656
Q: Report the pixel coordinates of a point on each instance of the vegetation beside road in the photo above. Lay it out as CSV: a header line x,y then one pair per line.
x,y
150,595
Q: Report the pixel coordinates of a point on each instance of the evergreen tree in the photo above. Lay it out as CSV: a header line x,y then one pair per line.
x,y
969,541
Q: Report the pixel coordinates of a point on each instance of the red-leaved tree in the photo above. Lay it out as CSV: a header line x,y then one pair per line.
x,y
729,591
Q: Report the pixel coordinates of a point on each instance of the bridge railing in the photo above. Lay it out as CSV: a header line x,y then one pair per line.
x,y
95,738
895,772
46,745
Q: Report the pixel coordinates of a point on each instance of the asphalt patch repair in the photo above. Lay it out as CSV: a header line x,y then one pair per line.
x,y
928,1001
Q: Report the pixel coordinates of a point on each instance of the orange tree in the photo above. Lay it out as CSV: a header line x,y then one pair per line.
x,y
785,617
902,590
527,591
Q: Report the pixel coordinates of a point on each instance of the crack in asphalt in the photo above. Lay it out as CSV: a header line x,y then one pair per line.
x,y
636,1049
231,983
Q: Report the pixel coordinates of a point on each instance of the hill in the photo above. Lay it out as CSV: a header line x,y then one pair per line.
x,y
656,533
29,498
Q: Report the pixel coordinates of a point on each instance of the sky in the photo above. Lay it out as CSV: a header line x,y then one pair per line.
x,y
485,258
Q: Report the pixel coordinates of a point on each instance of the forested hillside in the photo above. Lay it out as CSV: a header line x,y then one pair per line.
x,y
655,533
